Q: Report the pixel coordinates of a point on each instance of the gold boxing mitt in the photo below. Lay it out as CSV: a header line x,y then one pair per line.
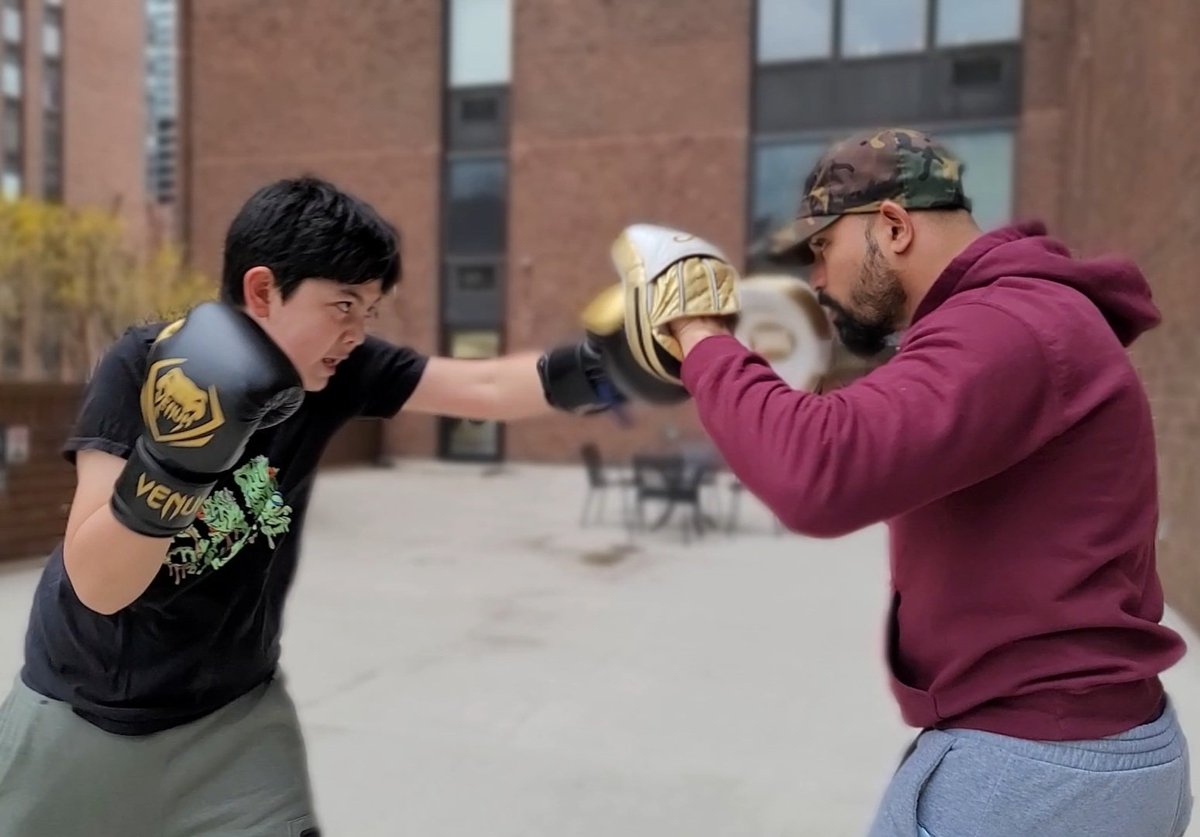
x,y
668,275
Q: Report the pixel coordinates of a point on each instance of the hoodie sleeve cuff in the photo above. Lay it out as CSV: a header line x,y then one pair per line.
x,y
707,352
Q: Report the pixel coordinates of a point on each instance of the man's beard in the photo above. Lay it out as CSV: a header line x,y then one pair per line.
x,y
878,300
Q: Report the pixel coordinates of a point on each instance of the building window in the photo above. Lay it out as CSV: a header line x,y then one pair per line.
x,y
52,156
12,85
52,86
779,172
12,23
462,439
52,32
477,118
794,30
987,157
476,194
12,76
480,42
883,27
10,184
52,102
474,202
474,278
161,106
973,23
12,127
471,292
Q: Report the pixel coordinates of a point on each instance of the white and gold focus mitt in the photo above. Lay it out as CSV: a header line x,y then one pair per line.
x,y
669,275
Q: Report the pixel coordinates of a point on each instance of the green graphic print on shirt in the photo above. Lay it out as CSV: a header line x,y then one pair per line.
x,y
223,526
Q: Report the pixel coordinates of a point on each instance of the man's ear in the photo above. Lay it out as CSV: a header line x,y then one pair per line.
x,y
258,288
898,226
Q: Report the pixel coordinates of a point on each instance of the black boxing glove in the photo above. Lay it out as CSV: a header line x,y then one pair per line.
x,y
214,378
574,379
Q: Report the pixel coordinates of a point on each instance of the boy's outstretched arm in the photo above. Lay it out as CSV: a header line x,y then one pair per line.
x,y
516,386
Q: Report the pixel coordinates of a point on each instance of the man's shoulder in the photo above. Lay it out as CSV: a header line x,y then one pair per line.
x,y
1031,322
1039,307
982,310
1056,315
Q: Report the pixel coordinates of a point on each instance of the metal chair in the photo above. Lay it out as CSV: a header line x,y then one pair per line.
x,y
674,481
598,483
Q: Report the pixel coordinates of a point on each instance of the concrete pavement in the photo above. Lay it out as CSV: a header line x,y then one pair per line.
x,y
468,661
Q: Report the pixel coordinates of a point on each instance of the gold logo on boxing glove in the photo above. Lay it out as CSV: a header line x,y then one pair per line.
x,y
169,330
168,503
176,410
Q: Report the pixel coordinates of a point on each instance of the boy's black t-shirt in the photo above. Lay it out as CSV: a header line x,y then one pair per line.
x,y
207,629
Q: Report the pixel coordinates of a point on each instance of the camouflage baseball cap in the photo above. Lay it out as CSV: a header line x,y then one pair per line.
x,y
859,173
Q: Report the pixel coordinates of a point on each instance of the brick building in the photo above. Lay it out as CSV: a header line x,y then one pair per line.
x,y
511,140
72,121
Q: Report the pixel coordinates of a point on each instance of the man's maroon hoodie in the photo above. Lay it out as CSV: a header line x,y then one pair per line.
x,y
1009,447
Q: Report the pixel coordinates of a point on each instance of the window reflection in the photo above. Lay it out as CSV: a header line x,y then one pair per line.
x,y
792,30
880,27
968,23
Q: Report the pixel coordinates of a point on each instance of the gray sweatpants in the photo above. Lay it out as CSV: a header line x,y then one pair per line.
x,y
241,770
966,783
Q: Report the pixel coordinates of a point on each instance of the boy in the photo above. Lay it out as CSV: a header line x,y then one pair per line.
x,y
149,702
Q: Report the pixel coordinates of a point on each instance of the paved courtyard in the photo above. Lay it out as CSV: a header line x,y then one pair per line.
x,y
469,661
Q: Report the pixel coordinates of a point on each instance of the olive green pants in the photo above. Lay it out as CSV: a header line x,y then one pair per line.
x,y
240,771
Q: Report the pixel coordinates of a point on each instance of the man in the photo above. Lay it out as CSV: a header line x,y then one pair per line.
x,y
1009,447
150,704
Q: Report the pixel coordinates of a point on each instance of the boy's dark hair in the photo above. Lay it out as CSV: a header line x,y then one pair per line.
x,y
306,228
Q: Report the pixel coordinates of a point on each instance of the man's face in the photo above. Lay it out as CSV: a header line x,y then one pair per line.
x,y
320,324
855,283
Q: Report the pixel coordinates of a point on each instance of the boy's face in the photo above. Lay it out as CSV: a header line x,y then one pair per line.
x,y
320,324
